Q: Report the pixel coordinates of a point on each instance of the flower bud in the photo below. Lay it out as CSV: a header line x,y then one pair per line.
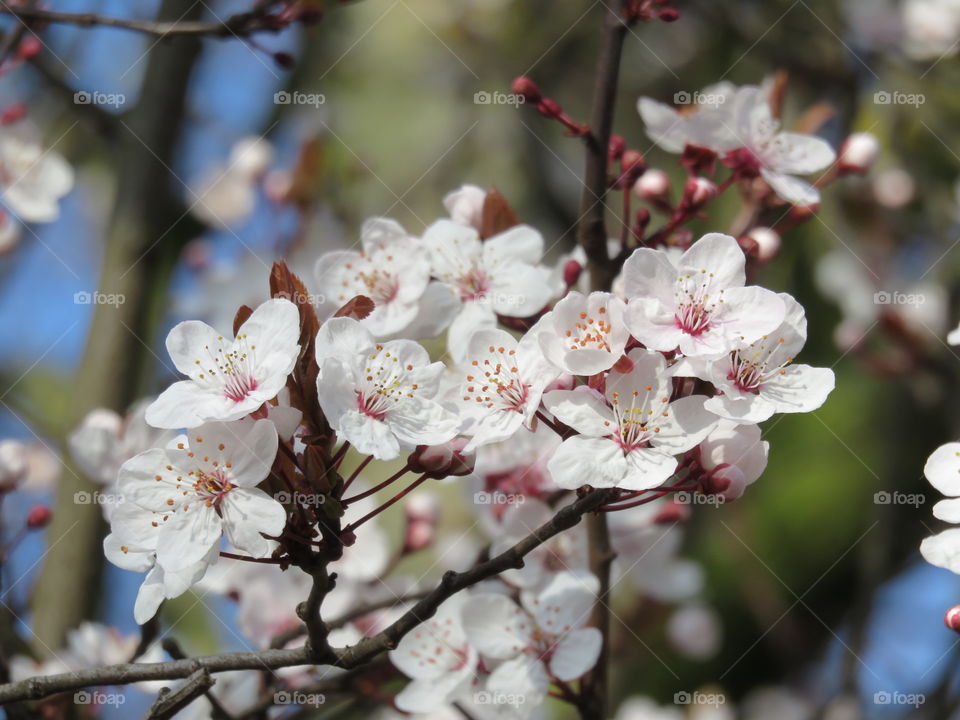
x,y
12,113
422,507
672,513
653,185
549,108
444,460
418,536
571,272
858,152
763,243
697,193
632,165
952,618
669,15
39,516
727,481
616,147
29,47
527,88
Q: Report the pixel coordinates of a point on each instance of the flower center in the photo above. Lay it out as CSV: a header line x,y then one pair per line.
x,y
384,384
637,422
473,284
380,286
694,305
501,387
211,488
232,369
753,367
590,332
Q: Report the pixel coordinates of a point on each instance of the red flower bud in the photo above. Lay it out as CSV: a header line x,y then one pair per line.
x,y
549,108
527,88
39,516
571,272
697,193
445,460
669,15
952,618
13,112
616,147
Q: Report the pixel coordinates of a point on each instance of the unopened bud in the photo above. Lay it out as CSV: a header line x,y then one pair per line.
x,y
29,47
549,108
697,193
418,536
762,242
422,507
859,152
616,147
571,272
952,618
12,113
39,516
526,88
727,481
641,221
632,165
669,15
672,513
653,185
444,460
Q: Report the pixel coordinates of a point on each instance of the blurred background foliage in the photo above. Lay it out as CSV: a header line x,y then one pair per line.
x,y
817,585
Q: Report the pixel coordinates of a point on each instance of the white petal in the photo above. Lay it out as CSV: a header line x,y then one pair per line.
x,y
587,461
943,469
948,510
792,189
342,338
647,468
576,653
943,550
246,514
496,626
583,410
187,536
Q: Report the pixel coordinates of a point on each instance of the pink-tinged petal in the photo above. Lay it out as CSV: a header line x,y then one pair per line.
x,y
496,626
583,410
187,404
187,536
790,188
747,314
687,423
799,388
943,469
647,468
369,436
649,274
575,654
249,448
948,510
523,679
246,514
335,272
653,324
649,370
580,460
566,602
519,244
343,339
943,550
192,341
739,445
718,258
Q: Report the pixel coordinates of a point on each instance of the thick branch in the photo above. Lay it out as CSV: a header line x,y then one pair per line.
x,y
592,230
351,657
170,702
239,25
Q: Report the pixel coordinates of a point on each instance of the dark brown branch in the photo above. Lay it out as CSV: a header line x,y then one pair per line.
x,y
170,702
238,25
350,657
592,229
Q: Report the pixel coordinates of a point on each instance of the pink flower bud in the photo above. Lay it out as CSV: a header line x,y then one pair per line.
x,y
763,243
653,185
445,460
727,481
859,152
549,108
418,536
29,47
616,147
39,516
952,618
697,193
527,88
12,113
669,15
422,507
672,513
571,272
632,165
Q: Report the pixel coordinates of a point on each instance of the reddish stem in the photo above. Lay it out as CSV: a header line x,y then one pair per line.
x,y
373,513
380,486
270,561
357,471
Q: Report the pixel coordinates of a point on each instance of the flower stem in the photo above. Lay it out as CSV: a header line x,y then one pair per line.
x,y
357,471
380,486
373,513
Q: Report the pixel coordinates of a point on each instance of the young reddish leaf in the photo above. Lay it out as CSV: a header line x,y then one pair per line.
x,y
243,314
497,216
357,307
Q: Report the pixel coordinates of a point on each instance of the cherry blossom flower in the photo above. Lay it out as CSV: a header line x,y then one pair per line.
x,y
706,125
391,269
699,303
943,472
465,205
504,380
760,379
735,456
497,276
228,378
380,396
629,436
205,486
546,639
583,334
437,657
32,178
227,194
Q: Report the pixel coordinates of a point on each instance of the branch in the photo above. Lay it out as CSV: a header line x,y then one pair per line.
x,y
348,658
592,230
238,25
169,703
